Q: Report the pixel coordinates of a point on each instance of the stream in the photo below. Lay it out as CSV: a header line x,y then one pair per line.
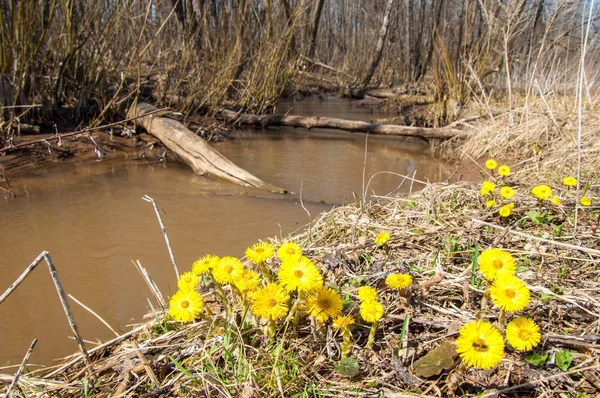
x,y
92,220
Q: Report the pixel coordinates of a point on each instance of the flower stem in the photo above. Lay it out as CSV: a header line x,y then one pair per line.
x,y
501,320
347,343
371,339
266,272
222,296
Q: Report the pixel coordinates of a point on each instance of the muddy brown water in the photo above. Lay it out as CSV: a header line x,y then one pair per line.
x,y
92,220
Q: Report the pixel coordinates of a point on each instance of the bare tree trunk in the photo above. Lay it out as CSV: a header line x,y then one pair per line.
x,y
380,43
314,29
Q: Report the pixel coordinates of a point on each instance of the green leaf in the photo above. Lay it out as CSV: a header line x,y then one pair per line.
x,y
348,367
435,361
536,359
411,203
180,367
564,360
547,297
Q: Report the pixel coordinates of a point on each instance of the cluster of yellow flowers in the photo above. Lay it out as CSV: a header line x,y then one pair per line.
x,y
543,192
295,289
507,193
488,189
480,344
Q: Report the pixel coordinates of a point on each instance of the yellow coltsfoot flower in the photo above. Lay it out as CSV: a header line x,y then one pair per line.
x,y
491,164
367,293
487,187
585,201
371,310
510,294
186,305
270,302
523,334
570,181
302,275
507,192
204,264
480,344
399,281
506,210
542,191
324,303
382,238
504,170
228,270
289,251
494,262
260,252
187,280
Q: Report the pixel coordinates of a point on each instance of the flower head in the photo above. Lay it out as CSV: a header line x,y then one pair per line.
x,y
570,181
490,203
585,201
260,252
187,280
509,293
371,310
270,302
523,333
491,164
505,210
324,303
289,251
185,305
228,270
479,344
342,322
399,281
504,170
301,275
382,238
507,192
204,264
247,281
487,187
494,262
556,201
542,191
367,293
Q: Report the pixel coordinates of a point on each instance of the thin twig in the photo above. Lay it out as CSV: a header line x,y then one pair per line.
x,y
22,277
66,308
551,242
162,226
151,285
94,314
20,370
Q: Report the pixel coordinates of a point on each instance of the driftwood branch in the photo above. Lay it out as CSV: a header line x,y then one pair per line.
x,y
192,149
361,93
342,124
61,295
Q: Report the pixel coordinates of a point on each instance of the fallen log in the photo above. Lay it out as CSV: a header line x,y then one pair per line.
x,y
342,124
192,149
361,93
